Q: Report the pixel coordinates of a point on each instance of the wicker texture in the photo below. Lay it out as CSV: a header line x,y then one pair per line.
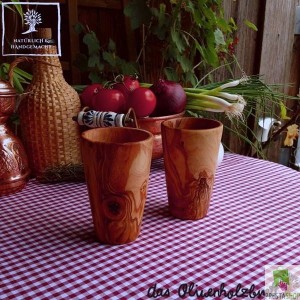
x,y
50,136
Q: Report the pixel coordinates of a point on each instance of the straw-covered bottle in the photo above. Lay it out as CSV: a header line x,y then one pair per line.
x,y
49,134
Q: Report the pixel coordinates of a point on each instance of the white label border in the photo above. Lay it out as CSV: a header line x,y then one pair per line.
x,y
58,28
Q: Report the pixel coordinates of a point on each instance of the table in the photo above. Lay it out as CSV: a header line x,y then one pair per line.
x,y
49,251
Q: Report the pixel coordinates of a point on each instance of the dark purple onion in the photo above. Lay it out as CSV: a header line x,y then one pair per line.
x,y
171,98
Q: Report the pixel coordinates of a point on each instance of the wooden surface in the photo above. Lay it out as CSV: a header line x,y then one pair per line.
x,y
278,37
277,54
247,53
246,50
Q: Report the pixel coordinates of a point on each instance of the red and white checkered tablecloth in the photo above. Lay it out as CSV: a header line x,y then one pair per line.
x,y
48,248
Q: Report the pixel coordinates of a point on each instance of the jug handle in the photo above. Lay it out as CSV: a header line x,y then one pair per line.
x,y
13,65
23,59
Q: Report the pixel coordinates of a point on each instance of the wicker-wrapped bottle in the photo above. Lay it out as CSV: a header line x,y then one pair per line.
x,y
50,136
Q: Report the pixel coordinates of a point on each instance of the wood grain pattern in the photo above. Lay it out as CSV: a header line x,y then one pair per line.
x,y
117,166
277,49
191,147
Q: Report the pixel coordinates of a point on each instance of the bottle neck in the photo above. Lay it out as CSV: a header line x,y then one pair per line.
x,y
47,64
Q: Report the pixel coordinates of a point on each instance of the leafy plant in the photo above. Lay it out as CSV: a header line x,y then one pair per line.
x,y
195,36
101,63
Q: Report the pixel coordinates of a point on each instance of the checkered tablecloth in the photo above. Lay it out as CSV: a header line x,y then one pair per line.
x,y
48,248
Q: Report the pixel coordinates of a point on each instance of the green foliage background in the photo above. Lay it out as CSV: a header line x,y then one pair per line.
x,y
194,35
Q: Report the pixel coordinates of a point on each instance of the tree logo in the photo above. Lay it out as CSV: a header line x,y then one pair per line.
x,y
32,18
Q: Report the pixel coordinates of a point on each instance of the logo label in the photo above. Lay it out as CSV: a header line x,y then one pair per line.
x,y
21,40
282,282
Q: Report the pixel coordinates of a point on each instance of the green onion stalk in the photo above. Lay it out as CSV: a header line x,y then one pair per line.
x,y
232,97
217,99
238,97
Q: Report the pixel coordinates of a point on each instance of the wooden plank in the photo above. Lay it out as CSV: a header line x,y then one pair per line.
x,y
130,37
74,40
245,52
246,49
295,70
277,49
278,38
111,4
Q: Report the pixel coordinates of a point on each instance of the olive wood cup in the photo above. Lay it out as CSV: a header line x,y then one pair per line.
x,y
191,147
117,167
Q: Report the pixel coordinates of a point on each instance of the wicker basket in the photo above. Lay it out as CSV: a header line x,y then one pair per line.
x,y
50,136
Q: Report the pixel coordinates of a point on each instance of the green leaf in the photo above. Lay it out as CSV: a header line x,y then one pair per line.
x,y
233,24
209,14
162,15
171,74
19,78
191,77
210,56
22,73
185,63
127,68
91,40
79,87
224,25
177,40
79,28
250,25
94,77
283,111
219,37
161,27
190,8
2,73
93,61
138,12
17,85
197,17
110,58
18,7
111,46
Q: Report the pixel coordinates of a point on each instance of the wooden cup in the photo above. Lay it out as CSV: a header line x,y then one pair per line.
x,y
191,147
117,166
